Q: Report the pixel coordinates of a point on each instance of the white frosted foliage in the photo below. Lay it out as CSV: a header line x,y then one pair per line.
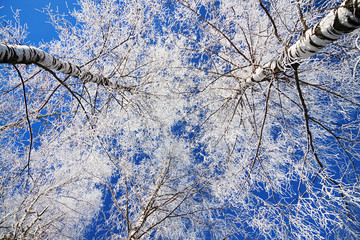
x,y
182,120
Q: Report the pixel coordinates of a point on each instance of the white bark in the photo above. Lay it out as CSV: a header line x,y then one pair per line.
x,y
337,23
22,54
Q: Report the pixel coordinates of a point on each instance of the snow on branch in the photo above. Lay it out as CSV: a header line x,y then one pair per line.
x,y
340,21
22,54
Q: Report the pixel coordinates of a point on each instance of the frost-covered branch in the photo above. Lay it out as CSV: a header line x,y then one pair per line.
x,y
338,22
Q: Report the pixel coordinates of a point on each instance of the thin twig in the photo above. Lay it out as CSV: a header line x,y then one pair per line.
x,y
27,119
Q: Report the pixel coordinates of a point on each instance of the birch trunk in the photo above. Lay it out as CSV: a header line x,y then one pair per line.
x,y
22,54
337,23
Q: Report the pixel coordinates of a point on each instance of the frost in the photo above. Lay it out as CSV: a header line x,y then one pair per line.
x,y
183,120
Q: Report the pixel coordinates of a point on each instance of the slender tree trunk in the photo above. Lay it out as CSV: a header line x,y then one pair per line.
x,y
337,23
22,54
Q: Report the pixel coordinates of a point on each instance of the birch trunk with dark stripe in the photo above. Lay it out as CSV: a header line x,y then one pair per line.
x,y
22,54
337,23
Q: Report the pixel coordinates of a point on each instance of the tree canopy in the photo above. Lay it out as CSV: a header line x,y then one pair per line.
x,y
183,119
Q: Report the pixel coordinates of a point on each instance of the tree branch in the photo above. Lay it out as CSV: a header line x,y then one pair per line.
x,y
337,23
22,54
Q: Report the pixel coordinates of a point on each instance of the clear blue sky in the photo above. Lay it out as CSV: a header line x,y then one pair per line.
x,y
37,22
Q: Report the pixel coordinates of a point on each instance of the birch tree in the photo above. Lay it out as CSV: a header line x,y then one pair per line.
x,y
183,120
269,114
48,109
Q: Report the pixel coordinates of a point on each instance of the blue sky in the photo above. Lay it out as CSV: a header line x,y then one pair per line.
x,y
31,15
